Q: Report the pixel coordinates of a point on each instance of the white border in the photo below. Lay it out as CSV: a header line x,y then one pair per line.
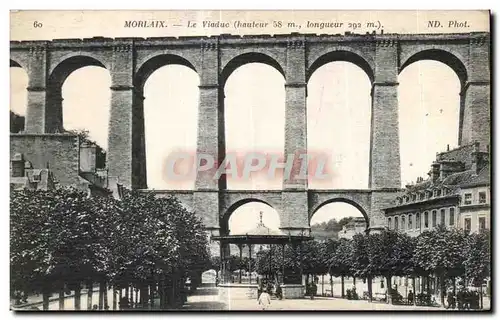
x,y
217,4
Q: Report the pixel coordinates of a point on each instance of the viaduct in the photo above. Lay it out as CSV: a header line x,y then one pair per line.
x,y
130,61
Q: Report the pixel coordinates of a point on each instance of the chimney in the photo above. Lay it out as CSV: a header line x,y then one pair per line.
x,y
447,147
435,172
479,159
17,165
448,167
87,157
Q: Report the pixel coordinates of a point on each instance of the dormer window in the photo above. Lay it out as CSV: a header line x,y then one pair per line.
x,y
413,197
438,192
37,178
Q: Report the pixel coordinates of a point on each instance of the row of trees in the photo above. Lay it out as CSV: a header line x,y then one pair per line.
x,y
62,239
445,253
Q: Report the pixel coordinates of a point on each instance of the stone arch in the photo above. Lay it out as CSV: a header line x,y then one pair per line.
x,y
155,62
342,54
69,64
355,204
232,207
56,79
246,58
18,60
449,58
15,64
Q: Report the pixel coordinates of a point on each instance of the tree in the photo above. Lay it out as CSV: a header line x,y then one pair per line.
x,y
16,122
340,261
477,258
360,259
29,213
440,252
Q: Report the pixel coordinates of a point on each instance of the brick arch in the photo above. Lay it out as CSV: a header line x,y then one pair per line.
x,y
19,59
232,200
70,64
56,79
16,64
250,56
441,54
343,53
157,60
362,207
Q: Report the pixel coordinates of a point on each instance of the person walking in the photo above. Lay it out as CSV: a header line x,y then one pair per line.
x,y
264,300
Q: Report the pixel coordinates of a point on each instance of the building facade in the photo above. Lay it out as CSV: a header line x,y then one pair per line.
x,y
456,195
355,226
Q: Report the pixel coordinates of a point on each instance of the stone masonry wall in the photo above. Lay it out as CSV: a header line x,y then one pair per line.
x,y
59,151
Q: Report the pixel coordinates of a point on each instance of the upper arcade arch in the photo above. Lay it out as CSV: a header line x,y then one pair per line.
x,y
319,58
56,79
246,58
14,64
155,62
61,71
19,60
454,60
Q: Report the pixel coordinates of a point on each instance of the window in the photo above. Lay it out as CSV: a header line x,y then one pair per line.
x,y
434,218
426,219
403,223
452,216
410,222
438,193
482,223
389,220
443,217
417,223
422,196
467,225
482,197
414,197
468,198
396,223
382,283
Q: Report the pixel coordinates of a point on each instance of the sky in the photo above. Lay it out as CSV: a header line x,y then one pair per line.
x,y
338,110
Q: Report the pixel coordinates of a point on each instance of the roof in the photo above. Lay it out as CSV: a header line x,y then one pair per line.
x,y
482,178
262,230
463,154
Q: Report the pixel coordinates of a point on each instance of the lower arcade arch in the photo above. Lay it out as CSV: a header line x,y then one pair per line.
x,y
338,218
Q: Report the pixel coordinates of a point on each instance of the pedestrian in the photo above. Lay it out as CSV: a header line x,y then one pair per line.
x,y
410,297
260,288
278,291
264,300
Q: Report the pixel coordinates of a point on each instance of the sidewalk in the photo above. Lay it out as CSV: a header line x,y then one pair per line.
x,y
37,300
